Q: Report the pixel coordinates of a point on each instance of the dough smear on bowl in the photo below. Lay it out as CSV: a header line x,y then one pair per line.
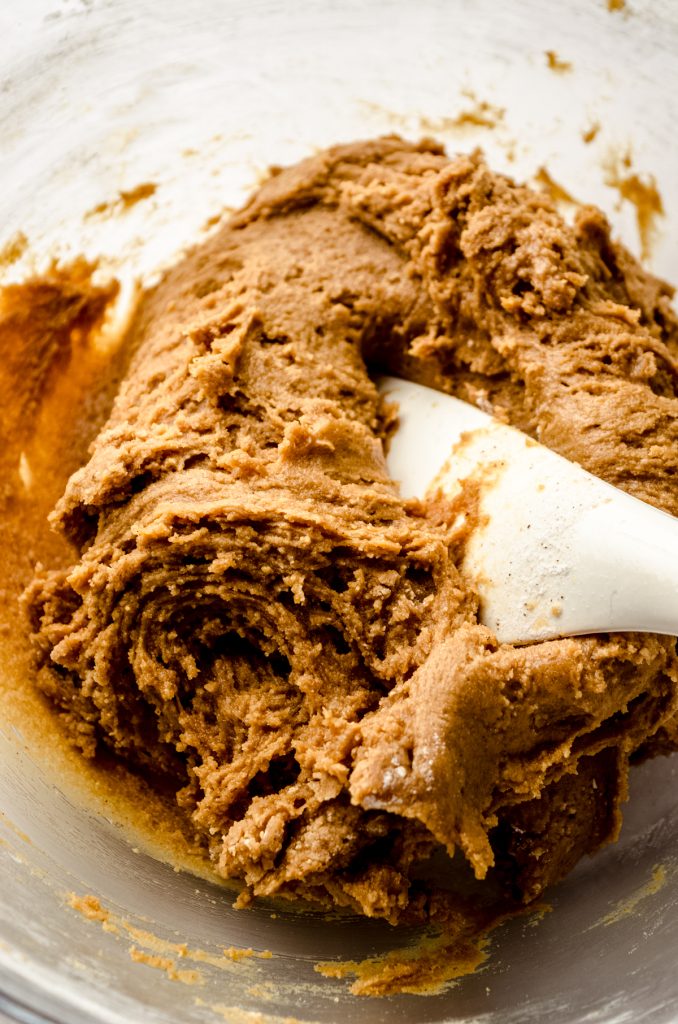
x,y
257,621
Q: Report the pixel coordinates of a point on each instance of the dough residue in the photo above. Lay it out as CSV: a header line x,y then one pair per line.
x,y
644,196
558,192
556,63
478,114
628,906
163,954
125,199
590,133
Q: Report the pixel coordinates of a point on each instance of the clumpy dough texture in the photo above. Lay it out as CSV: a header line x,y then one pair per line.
x,y
257,621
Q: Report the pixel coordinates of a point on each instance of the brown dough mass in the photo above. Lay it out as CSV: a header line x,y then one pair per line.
x,y
256,618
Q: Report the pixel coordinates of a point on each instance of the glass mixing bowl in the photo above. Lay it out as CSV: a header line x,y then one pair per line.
x,y
98,96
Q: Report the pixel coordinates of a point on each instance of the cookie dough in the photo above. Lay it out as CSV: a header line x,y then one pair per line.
x,y
257,622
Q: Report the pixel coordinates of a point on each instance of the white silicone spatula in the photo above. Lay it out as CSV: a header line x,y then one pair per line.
x,y
554,550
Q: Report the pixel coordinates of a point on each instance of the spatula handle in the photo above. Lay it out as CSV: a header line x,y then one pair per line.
x,y
553,551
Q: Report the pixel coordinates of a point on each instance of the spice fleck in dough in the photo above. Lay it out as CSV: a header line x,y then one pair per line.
x,y
257,620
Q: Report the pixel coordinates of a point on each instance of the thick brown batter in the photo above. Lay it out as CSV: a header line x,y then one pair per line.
x,y
258,622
